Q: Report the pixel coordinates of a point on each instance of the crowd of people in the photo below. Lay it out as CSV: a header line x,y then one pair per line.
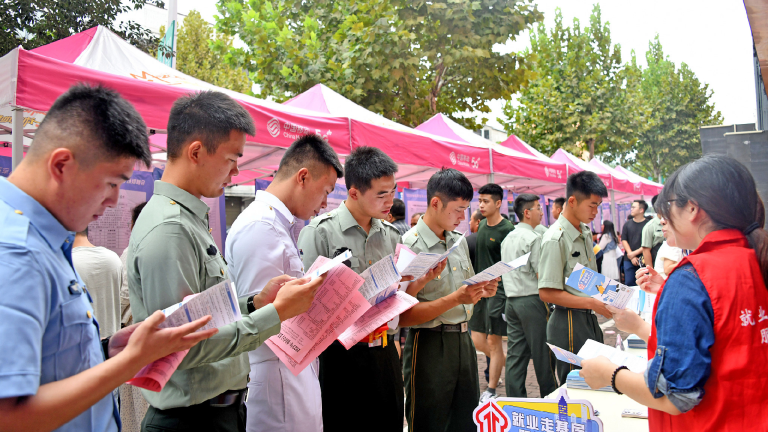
x,y
77,321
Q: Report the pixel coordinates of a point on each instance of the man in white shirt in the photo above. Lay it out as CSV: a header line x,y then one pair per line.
x,y
102,272
260,246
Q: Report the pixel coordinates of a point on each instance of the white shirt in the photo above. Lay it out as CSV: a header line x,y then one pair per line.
x,y
666,251
260,246
102,272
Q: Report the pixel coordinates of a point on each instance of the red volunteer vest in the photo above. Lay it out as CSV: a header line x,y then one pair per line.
x,y
736,393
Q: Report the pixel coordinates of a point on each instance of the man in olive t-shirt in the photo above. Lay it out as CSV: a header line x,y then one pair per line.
x,y
487,324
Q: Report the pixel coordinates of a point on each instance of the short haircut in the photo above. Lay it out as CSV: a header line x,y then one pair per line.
x,y
449,184
477,216
311,152
97,122
366,164
208,117
642,204
398,209
653,201
584,184
524,202
136,211
492,189
559,202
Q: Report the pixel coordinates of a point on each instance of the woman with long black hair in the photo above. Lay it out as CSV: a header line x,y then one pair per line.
x,y
609,244
708,345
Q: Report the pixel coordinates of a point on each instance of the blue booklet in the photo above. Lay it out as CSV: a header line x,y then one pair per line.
x,y
600,287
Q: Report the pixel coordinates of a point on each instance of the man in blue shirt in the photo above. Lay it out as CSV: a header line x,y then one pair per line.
x,y
53,373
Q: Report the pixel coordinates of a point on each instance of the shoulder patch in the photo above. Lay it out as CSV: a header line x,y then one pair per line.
x,y
554,233
15,227
317,220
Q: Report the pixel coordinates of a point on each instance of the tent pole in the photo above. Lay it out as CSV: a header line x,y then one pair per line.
x,y
613,210
172,16
490,159
17,136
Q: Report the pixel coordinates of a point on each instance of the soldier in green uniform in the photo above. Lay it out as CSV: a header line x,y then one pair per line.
x,y
487,323
440,362
569,242
526,314
652,238
358,225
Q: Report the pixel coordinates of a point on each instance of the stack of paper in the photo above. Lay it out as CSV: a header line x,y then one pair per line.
x,y
600,287
633,341
575,381
337,305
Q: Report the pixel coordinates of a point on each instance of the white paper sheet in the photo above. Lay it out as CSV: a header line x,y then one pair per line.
x,y
424,262
379,280
497,270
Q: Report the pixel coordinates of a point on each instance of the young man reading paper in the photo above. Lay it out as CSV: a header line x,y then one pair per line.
x,y
172,255
440,362
358,225
566,243
261,246
53,372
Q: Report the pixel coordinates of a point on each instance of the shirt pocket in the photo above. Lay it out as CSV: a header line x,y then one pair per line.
x,y
295,267
355,264
77,332
215,272
460,269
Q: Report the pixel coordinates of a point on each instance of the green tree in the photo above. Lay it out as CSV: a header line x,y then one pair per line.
x,y
584,97
405,59
195,57
678,104
33,23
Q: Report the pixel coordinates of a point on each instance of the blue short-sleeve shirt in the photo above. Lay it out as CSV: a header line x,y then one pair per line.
x,y
46,319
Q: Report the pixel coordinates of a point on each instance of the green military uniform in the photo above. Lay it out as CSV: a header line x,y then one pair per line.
x,y
562,247
652,238
440,362
487,315
526,316
377,366
540,229
169,258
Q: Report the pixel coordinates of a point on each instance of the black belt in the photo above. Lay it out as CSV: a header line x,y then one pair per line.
x,y
450,328
390,340
587,311
228,398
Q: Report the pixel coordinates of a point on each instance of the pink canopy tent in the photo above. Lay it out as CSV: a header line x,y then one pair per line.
x,y
418,154
650,188
34,79
515,143
512,169
619,178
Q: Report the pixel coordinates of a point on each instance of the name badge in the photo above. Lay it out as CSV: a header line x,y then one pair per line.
x,y
74,288
464,327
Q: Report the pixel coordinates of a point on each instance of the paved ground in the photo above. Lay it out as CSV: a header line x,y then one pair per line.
x,y
531,385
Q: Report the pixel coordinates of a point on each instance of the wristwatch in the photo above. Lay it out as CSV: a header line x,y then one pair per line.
x,y
249,304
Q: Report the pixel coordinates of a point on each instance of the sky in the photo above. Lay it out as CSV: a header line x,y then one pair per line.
x,y
711,36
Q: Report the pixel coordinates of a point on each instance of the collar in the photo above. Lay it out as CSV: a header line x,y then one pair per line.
x,y
49,227
347,221
569,230
721,238
268,198
186,199
523,225
429,236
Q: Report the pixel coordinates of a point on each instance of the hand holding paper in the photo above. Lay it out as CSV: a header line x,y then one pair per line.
x,y
219,302
593,349
375,317
424,261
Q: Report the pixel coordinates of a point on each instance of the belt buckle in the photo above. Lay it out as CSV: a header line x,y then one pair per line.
x,y
464,327
375,343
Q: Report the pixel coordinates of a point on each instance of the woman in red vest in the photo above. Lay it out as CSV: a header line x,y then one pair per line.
x,y
708,348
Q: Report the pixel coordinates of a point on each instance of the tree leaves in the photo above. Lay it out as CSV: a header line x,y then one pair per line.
x,y
33,23
198,55
405,59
